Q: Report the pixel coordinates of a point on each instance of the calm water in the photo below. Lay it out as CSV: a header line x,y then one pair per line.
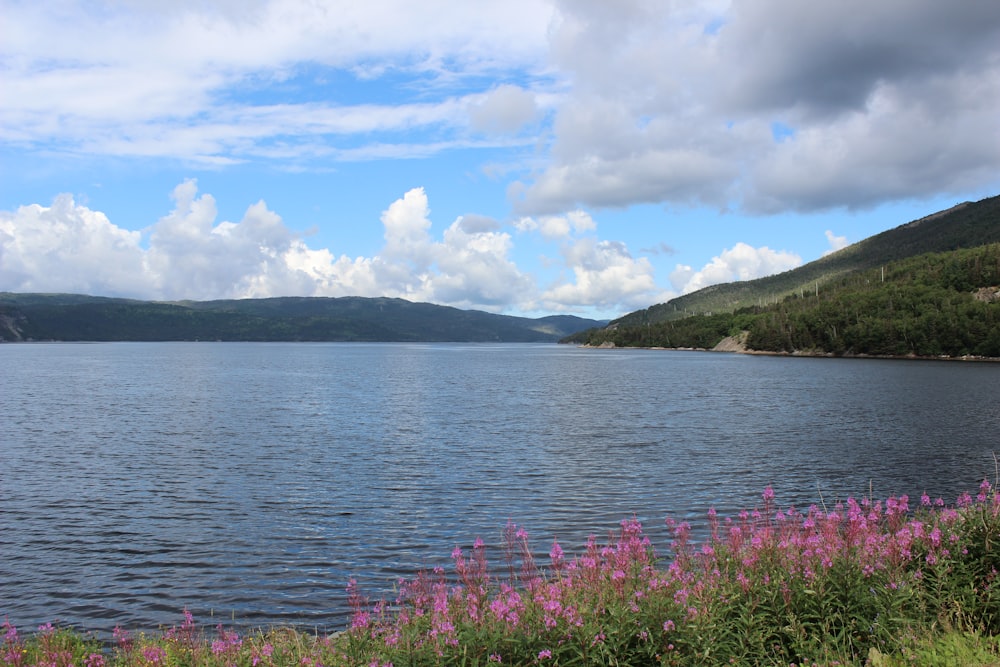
x,y
251,481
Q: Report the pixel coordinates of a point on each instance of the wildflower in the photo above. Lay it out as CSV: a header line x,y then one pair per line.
x,y
768,494
556,553
154,655
668,626
494,657
122,637
11,632
94,660
544,654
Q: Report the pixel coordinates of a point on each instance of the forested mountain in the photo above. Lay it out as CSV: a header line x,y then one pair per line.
x,y
938,304
963,226
71,317
927,288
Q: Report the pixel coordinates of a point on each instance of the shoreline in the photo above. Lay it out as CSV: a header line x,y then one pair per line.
x,y
730,345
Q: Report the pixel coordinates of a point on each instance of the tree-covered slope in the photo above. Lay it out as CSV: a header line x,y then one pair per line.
x,y
936,304
68,317
963,226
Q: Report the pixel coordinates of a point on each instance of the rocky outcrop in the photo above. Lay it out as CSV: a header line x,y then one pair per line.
x,y
10,327
736,343
987,294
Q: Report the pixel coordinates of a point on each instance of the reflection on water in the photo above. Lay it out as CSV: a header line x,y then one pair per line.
x,y
251,481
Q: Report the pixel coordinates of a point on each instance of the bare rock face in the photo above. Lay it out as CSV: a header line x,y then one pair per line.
x,y
987,294
10,330
736,343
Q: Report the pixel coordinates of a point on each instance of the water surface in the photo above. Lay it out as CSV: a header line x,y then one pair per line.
x,y
251,481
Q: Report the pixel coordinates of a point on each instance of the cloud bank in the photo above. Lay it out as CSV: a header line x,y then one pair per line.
x,y
760,105
190,254
769,105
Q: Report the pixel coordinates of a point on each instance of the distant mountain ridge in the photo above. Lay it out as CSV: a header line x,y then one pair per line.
x,y
966,225
75,317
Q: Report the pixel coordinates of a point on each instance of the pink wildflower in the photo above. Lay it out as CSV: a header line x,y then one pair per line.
x,y
154,655
94,660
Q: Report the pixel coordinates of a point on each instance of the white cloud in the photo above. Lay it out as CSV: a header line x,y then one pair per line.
x,y
69,248
630,102
741,262
208,83
605,275
191,255
504,110
557,226
836,242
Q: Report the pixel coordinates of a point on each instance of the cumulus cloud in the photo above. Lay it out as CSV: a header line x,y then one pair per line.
x,y
741,262
604,274
836,242
677,103
190,254
66,247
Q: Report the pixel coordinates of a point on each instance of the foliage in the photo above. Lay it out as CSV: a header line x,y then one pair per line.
x,y
923,306
967,225
864,582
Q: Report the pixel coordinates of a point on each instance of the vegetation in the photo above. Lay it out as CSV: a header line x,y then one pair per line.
x,y
937,304
967,225
861,583
68,317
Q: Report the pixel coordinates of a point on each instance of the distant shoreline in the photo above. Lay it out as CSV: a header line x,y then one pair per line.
x,y
798,353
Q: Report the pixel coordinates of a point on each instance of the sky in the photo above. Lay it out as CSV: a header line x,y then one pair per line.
x,y
526,157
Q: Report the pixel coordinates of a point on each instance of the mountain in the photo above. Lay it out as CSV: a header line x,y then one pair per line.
x,y
74,317
966,225
930,287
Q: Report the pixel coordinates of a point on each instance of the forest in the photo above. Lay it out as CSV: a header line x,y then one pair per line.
x,y
932,305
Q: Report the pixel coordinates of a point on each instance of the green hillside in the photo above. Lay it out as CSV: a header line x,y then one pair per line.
x,y
936,305
963,226
71,317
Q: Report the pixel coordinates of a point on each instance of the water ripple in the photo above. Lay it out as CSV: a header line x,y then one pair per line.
x,y
249,482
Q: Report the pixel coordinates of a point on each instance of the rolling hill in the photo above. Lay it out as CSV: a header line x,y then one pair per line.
x,y
73,317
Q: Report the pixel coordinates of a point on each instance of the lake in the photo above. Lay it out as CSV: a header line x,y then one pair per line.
x,y
249,482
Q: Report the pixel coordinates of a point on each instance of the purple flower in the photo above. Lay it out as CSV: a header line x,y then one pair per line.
x,y
11,631
154,655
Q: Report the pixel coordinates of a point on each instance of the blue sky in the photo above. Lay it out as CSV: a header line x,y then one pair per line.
x,y
525,157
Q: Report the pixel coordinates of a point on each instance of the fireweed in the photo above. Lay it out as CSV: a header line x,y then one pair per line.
x,y
863,582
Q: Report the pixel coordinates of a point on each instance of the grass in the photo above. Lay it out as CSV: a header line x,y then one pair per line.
x,y
866,582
